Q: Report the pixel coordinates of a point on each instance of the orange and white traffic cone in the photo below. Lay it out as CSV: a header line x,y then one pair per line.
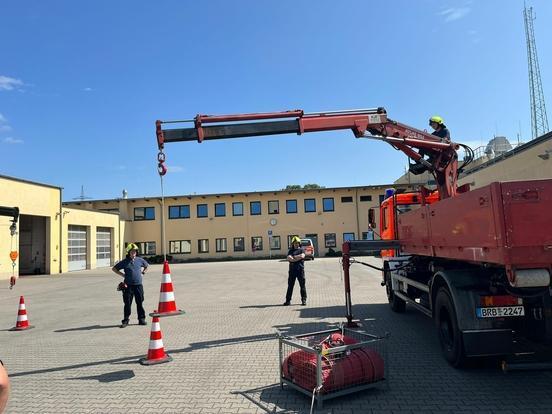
x,y
22,320
156,351
167,304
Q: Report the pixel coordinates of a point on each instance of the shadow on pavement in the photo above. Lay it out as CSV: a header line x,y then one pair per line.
x,y
108,376
279,305
88,328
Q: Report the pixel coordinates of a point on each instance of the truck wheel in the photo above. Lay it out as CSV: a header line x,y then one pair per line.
x,y
450,336
397,304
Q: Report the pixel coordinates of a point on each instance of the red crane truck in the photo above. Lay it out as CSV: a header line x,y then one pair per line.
x,y
477,262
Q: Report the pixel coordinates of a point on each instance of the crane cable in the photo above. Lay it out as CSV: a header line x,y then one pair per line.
x,y
13,253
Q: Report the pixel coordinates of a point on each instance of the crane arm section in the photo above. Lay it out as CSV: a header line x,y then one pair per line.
x,y
364,123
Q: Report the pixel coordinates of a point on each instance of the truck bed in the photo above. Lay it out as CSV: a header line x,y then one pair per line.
x,y
503,223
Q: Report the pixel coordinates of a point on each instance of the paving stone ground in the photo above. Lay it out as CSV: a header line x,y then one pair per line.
x,y
225,355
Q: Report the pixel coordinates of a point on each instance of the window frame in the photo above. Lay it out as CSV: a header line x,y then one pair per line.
x,y
324,204
224,210
345,237
180,215
287,206
199,249
143,248
180,242
234,204
346,199
277,206
206,210
254,244
144,216
217,250
256,203
327,239
305,205
243,244
271,239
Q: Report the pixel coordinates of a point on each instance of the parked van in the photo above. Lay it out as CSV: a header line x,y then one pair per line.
x,y
308,247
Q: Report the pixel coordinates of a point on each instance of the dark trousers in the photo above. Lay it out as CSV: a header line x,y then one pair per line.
x,y
137,292
300,276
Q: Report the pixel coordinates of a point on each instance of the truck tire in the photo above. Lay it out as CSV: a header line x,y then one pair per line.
x,y
397,304
450,336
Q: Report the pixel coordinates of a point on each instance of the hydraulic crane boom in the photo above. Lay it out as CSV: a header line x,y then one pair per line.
x,y
373,123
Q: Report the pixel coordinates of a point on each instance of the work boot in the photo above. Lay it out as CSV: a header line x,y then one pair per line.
x,y
286,303
303,302
124,323
142,322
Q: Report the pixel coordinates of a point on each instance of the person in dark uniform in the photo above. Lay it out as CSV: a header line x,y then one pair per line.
x,y
296,259
439,130
133,268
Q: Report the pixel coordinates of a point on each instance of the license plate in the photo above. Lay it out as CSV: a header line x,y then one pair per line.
x,y
500,311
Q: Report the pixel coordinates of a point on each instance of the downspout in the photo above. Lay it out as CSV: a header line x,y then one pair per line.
x,y
60,231
356,208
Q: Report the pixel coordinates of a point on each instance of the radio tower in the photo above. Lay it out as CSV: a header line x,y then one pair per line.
x,y
539,121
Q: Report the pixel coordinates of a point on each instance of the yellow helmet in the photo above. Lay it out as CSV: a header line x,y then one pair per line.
x,y
132,246
296,239
436,119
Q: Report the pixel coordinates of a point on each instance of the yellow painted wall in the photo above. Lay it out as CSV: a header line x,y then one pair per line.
x,y
533,163
346,218
33,199
92,220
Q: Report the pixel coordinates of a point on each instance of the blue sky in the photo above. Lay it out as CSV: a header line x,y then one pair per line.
x,y
82,83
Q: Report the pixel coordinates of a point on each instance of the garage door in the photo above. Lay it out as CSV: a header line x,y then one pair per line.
x,y
77,248
103,247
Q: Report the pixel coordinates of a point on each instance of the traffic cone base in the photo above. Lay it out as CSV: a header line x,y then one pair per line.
x,y
173,313
24,328
146,361
167,303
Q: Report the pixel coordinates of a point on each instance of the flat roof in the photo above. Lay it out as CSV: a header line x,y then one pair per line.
x,y
364,187
30,182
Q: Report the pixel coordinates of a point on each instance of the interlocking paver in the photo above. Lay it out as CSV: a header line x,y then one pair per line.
x,y
77,360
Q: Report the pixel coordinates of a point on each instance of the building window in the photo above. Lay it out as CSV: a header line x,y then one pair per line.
x,y
202,210
310,205
274,207
256,243
346,199
368,235
255,208
366,198
220,210
291,236
180,247
291,206
239,244
328,204
221,245
275,243
179,212
237,209
144,213
203,245
329,240
381,198
146,248
348,237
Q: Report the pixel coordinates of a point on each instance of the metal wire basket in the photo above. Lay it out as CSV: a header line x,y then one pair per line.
x,y
331,363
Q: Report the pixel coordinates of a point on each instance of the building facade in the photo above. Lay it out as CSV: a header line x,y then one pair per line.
x,y
240,225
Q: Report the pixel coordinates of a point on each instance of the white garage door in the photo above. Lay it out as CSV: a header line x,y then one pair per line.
x,y
103,247
77,248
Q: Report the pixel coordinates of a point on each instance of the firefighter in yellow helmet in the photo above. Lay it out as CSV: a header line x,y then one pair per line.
x,y
439,128
296,259
133,268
